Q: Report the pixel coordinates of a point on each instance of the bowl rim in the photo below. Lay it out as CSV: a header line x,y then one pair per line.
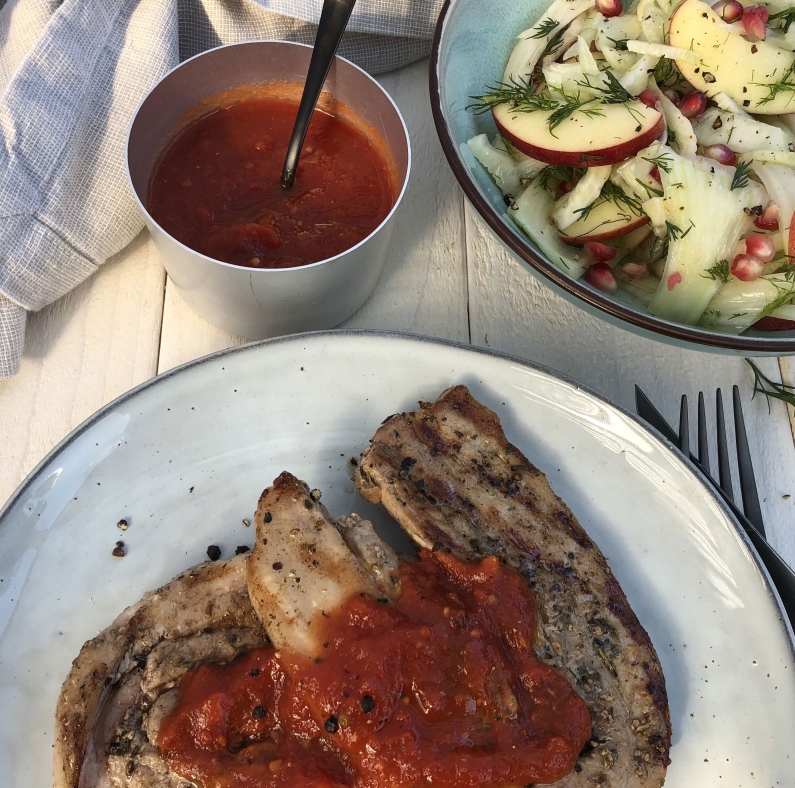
x,y
650,324
267,271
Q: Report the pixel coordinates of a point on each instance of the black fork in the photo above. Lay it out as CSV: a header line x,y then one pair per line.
x,y
745,468
781,574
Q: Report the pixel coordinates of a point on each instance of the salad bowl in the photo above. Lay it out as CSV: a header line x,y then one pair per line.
x,y
470,52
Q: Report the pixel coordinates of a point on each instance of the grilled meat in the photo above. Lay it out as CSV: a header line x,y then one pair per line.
x,y
451,479
302,564
122,683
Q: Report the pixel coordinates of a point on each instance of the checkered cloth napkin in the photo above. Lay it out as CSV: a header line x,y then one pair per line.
x,y
72,73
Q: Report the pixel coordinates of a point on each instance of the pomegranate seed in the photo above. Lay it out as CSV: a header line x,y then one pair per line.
x,y
635,270
761,247
602,253
769,218
648,97
672,96
755,21
693,104
720,153
674,280
774,324
728,10
746,267
609,7
655,173
601,276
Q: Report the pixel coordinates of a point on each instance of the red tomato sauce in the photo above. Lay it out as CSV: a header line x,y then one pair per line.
x,y
216,187
441,688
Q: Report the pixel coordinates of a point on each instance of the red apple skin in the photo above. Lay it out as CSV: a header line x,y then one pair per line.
x,y
594,158
615,232
774,324
791,237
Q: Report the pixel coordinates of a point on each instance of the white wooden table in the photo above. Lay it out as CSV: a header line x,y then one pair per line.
x,y
446,277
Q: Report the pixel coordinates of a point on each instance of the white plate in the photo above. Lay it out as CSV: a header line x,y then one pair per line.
x,y
184,458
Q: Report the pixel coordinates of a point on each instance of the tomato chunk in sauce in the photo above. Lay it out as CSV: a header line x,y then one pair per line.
x,y
441,688
216,187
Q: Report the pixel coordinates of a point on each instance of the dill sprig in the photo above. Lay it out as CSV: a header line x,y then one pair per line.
x,y
572,103
674,233
740,179
785,295
719,271
612,193
770,388
663,161
785,85
650,190
784,19
518,93
554,174
667,75
613,93
552,47
619,44
545,28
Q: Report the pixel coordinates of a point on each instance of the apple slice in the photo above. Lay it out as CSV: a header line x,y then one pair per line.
x,y
618,132
607,219
731,64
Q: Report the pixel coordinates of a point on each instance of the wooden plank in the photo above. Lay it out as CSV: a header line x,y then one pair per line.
x,y
81,352
423,287
513,312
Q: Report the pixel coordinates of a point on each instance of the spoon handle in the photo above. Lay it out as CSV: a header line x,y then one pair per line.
x,y
333,20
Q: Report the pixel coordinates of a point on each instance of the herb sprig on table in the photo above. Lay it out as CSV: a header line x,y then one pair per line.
x,y
770,388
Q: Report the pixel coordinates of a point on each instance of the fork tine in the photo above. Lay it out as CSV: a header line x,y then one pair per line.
x,y
703,441
751,507
724,471
684,427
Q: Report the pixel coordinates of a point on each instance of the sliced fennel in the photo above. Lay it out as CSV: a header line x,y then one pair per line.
x,y
780,184
530,211
636,78
662,50
738,305
705,219
785,158
652,16
683,138
741,132
506,171
527,52
642,289
569,207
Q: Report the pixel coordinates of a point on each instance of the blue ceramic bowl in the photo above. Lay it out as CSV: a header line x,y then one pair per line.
x,y
470,49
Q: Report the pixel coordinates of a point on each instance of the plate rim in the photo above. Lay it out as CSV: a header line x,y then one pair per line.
x,y
663,443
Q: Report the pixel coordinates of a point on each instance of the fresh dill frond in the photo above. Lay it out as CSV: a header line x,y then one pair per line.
x,y
619,44
671,137
612,193
667,75
650,190
663,161
545,28
785,295
770,388
554,174
740,179
572,103
553,45
613,93
784,85
519,94
674,233
719,271
783,19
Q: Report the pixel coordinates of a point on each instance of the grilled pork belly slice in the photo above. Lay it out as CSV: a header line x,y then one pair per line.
x,y
122,683
451,479
304,562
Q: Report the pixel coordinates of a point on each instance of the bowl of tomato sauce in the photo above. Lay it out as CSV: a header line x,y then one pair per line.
x,y
205,152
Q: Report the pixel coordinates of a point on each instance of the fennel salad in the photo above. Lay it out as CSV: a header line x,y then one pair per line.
x,y
651,151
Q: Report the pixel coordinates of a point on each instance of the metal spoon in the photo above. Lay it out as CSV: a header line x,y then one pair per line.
x,y
333,20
